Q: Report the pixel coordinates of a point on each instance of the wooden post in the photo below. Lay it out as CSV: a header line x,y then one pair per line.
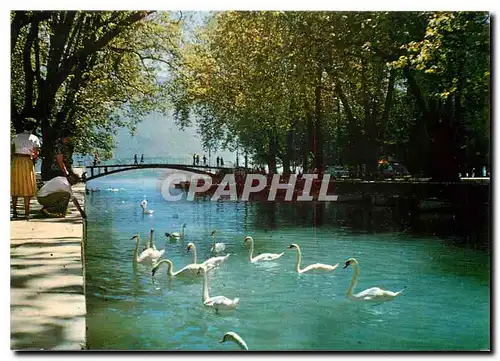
x,y
80,209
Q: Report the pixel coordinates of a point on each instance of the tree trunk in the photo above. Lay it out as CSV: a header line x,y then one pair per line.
x,y
387,108
49,137
369,151
271,158
443,163
352,151
318,134
418,149
307,163
370,158
288,154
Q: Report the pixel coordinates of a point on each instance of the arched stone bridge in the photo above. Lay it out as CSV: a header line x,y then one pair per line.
x,y
97,171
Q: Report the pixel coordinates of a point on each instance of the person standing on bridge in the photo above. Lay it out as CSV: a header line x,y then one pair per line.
x,y
135,159
194,159
221,162
197,159
204,160
142,158
218,161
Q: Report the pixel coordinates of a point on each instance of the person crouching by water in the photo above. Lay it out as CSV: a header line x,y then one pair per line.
x,y
55,195
25,149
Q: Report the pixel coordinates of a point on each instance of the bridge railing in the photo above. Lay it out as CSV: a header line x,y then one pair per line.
x,y
147,160
157,160
117,165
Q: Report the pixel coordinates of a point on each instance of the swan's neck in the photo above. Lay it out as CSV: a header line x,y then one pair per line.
x,y
354,281
241,343
243,346
182,231
151,242
206,296
214,242
250,254
136,252
170,266
194,255
299,259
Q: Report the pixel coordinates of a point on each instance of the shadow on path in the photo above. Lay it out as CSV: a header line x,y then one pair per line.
x,y
47,290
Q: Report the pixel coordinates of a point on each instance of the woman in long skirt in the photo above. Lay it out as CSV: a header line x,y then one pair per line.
x,y
23,179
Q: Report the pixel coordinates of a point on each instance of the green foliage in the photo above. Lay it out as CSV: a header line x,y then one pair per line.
x,y
282,86
90,72
280,83
449,72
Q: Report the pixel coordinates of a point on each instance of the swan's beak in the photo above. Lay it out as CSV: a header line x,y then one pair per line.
x,y
167,234
134,237
346,265
221,341
153,271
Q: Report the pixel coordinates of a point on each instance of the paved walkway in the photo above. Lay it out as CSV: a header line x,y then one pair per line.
x,y
47,299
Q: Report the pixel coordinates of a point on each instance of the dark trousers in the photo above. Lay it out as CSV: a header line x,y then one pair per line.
x,y
55,202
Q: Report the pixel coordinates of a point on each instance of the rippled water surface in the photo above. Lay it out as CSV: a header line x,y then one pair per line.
x,y
446,305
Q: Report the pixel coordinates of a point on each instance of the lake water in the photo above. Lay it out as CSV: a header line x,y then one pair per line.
x,y
446,304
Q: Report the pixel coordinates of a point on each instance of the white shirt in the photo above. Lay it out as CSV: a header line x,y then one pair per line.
x,y
25,142
57,184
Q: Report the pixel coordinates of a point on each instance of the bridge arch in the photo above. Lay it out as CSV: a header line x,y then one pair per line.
x,y
98,171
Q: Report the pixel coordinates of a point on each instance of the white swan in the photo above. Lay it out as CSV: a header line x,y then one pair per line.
x,y
217,247
262,256
144,206
233,336
149,255
189,270
315,266
217,302
151,243
209,263
373,294
145,247
176,235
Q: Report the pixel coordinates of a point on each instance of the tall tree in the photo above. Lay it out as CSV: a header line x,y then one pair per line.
x,y
294,86
448,73
88,72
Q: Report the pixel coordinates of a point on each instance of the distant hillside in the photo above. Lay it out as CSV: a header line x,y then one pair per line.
x,y
158,136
